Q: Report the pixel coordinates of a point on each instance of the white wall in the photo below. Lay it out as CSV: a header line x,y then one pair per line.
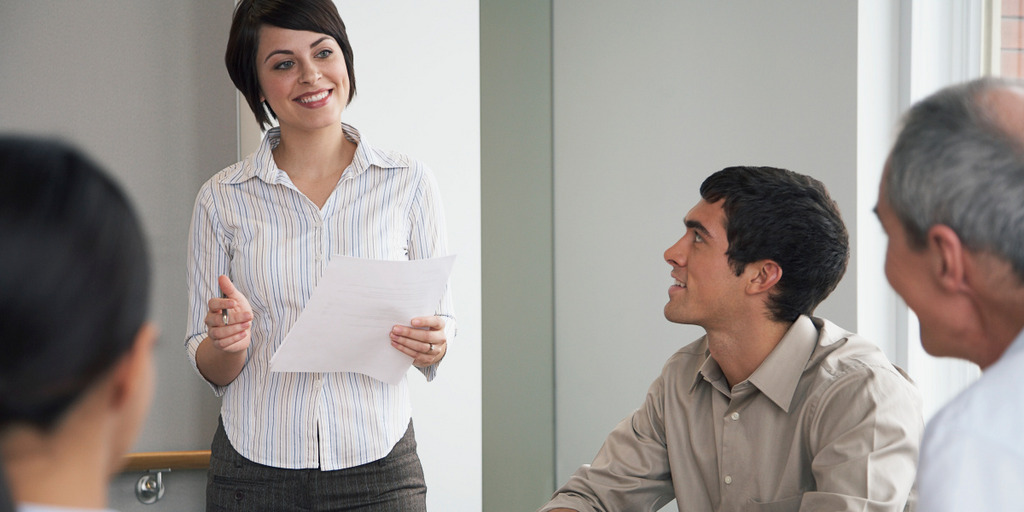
x,y
879,103
418,91
649,98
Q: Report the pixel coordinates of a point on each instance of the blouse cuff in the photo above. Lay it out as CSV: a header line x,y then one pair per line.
x,y
191,347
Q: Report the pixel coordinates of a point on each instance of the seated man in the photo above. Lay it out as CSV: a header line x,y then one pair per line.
x,y
76,370
952,202
772,409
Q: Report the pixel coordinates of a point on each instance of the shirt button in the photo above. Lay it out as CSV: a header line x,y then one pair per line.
x,y
735,416
728,479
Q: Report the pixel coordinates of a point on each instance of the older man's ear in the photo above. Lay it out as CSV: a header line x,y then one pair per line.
x,y
947,258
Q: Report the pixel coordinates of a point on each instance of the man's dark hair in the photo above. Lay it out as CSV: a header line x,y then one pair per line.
x,y
779,215
74,278
319,16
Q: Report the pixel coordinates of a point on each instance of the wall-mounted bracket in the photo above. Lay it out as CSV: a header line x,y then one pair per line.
x,y
150,487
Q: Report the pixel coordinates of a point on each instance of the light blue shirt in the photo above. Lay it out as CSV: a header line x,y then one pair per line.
x,y
251,223
972,457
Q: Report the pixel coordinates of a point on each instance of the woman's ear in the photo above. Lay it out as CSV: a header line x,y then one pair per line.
x,y
133,373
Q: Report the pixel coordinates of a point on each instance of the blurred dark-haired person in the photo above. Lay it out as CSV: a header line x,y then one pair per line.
x,y
951,200
772,409
263,232
76,374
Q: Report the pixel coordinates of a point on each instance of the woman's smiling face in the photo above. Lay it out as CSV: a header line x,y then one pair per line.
x,y
303,76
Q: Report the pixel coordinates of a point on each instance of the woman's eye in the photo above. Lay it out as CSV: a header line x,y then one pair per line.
x,y
284,65
324,53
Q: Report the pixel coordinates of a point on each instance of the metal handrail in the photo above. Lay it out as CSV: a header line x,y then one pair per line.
x,y
150,487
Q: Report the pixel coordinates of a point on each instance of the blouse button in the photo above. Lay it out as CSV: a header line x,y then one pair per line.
x,y
735,416
728,479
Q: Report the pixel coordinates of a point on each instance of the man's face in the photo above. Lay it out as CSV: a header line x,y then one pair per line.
x,y
706,291
908,271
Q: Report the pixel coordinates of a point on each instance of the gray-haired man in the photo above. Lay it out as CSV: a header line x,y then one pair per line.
x,y
952,203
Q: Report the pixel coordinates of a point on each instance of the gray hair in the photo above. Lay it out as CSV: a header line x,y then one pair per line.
x,y
953,164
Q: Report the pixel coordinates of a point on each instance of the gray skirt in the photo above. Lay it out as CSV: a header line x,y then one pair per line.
x,y
394,483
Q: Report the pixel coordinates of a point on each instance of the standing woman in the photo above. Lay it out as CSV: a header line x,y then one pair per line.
x,y
263,231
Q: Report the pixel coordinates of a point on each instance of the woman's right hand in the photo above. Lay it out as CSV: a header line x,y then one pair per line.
x,y
229,319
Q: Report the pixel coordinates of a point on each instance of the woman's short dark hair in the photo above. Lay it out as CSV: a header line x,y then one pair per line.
x,y
319,16
74,278
789,218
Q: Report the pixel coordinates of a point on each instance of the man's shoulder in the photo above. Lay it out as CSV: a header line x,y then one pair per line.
x,y
696,350
994,403
849,376
845,366
687,359
840,351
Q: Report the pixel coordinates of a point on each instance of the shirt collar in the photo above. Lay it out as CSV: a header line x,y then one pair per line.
x,y
367,155
712,373
780,372
260,164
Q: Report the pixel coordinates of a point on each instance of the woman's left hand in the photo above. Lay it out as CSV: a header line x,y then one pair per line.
x,y
424,341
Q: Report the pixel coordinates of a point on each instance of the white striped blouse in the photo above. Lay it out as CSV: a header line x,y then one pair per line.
x,y
252,224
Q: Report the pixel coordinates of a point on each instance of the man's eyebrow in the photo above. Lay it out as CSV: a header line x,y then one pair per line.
x,y
696,225
289,52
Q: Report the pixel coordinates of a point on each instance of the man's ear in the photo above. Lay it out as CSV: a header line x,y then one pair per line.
x,y
133,366
767,274
947,257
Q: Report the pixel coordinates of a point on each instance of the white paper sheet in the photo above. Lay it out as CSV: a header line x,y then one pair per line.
x,y
347,322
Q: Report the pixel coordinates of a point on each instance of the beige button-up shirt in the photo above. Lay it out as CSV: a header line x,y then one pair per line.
x,y
826,423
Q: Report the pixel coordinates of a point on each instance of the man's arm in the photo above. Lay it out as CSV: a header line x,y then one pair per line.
x,y
630,472
865,437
